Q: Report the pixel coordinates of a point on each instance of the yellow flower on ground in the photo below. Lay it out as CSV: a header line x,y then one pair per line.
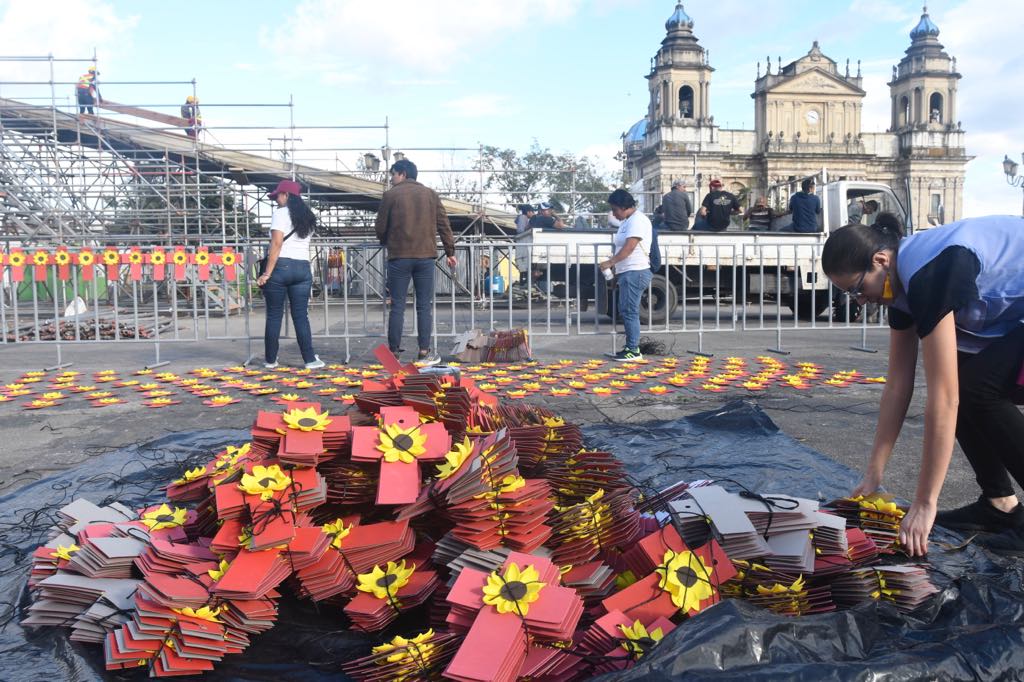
x,y
455,459
191,474
401,445
218,573
638,641
164,517
306,419
265,481
337,531
416,650
686,577
289,396
385,583
204,612
514,591
65,553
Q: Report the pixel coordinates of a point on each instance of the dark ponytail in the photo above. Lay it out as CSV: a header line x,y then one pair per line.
x,y
302,217
849,249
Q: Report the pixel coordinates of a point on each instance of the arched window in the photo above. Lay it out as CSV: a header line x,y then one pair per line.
x,y
904,115
935,108
919,115
686,102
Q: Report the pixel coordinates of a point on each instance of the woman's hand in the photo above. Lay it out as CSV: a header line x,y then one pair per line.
x,y
868,485
262,280
916,526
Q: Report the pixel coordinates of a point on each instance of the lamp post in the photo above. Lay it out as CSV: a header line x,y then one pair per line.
x,y
1012,179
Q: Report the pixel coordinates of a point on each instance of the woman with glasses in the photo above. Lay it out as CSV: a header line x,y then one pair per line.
x,y
957,292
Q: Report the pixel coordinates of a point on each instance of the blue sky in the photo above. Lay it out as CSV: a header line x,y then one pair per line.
x,y
450,73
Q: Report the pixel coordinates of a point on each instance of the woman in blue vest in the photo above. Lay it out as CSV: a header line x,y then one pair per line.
x,y
957,291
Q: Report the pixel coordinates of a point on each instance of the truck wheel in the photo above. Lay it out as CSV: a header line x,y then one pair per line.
x,y
663,301
803,309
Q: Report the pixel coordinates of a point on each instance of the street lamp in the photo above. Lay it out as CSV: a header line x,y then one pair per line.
x,y
1010,169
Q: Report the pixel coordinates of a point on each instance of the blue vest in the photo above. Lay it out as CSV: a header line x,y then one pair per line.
x,y
998,242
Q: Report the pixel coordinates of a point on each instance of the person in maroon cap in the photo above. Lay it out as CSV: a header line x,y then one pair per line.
x,y
288,273
718,207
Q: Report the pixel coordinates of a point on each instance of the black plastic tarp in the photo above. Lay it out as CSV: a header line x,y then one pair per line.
x,y
972,630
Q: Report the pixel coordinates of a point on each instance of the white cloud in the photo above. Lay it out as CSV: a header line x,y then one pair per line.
x,y
984,37
68,29
483,105
403,38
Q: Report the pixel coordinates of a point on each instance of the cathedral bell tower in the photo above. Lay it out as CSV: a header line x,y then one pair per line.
x,y
680,77
924,85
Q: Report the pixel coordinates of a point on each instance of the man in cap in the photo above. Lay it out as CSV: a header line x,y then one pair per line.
x,y
678,207
190,112
718,207
545,218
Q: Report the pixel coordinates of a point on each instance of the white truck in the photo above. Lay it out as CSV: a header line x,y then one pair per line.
x,y
753,265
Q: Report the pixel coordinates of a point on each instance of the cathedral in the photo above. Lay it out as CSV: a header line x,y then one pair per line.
x,y
807,117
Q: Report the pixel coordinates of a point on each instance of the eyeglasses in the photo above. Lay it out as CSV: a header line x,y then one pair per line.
x,y
857,289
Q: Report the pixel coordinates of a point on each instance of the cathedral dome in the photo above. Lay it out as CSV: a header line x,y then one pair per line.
x,y
679,19
925,27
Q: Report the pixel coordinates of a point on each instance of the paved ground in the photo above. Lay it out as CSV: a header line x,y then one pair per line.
x,y
837,422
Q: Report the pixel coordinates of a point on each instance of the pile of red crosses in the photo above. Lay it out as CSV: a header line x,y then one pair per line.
x,y
475,539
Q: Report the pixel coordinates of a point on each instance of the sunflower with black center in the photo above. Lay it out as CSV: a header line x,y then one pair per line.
x,y
228,258
164,517
265,481
514,591
135,257
384,583
157,257
16,259
40,257
86,258
638,641
306,419
62,257
338,531
686,578
402,445
202,257
180,258
111,257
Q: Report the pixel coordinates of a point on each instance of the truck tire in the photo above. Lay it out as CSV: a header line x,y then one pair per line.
x,y
804,301
663,301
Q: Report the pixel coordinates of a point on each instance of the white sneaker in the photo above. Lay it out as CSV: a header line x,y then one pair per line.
x,y
316,364
428,360
270,365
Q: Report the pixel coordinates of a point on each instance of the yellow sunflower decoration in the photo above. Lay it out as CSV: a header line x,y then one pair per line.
x,y
638,641
16,259
191,474
306,419
63,552
686,577
111,257
62,257
265,481
514,591
337,531
416,650
401,445
454,460
202,257
157,257
41,257
222,568
203,612
164,517
180,258
385,583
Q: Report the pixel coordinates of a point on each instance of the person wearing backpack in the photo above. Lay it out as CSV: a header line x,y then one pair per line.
x,y
288,274
633,242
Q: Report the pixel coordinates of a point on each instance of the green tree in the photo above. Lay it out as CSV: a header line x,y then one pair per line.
x,y
573,183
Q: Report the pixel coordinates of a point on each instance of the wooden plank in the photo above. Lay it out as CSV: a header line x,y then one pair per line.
x,y
166,119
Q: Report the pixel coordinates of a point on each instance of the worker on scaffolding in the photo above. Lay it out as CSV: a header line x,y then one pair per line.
x,y
190,112
87,91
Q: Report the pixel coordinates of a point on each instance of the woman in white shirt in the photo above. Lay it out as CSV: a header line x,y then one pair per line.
x,y
632,267
288,273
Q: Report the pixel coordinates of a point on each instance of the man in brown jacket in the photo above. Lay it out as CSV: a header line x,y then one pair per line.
x,y
409,218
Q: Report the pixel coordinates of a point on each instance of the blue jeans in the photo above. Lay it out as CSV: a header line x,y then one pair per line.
x,y
421,272
294,279
632,286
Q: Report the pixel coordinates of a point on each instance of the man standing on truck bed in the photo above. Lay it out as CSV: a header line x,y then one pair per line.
x,y
717,208
805,207
677,207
